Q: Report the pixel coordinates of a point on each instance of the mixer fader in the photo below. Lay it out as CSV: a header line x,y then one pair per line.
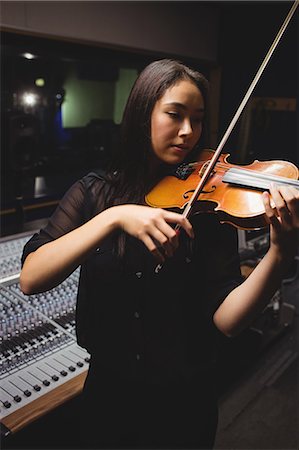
x,y
41,365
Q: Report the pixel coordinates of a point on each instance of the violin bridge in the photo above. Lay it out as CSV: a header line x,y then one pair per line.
x,y
203,169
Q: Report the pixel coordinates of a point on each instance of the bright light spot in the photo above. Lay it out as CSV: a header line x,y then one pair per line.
x,y
28,55
40,82
29,99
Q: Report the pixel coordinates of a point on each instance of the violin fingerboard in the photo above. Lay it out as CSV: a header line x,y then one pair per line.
x,y
255,180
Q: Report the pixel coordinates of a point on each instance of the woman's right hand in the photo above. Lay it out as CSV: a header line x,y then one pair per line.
x,y
152,227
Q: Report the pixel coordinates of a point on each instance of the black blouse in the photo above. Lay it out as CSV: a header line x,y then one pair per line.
x,y
145,326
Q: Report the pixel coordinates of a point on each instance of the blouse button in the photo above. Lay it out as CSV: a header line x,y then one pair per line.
x,y
138,357
136,314
98,249
138,274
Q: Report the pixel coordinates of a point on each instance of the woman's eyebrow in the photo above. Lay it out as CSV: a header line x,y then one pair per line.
x,y
181,105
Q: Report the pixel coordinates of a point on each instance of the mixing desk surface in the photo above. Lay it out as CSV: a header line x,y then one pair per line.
x,y
10,255
41,365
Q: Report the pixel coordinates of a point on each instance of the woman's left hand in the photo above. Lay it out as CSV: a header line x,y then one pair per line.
x,y
282,214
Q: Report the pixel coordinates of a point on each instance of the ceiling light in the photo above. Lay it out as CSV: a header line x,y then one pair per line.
x,y
28,55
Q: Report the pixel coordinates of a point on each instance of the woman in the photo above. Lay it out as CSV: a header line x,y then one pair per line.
x,y
153,336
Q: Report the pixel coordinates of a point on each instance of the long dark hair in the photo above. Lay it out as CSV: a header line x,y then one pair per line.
x,y
129,167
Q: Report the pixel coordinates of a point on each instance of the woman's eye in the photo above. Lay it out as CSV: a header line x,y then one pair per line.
x,y
173,114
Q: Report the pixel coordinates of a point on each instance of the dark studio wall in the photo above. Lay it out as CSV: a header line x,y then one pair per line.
x,y
182,28
247,30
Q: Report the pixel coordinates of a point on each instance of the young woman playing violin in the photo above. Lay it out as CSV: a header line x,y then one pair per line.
x,y
153,335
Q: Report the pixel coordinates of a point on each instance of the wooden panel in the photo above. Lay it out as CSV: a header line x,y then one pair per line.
x,y
39,407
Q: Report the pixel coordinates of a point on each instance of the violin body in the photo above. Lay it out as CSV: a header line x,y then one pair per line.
x,y
233,192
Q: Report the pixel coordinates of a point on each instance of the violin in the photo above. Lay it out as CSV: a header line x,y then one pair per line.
x,y
232,191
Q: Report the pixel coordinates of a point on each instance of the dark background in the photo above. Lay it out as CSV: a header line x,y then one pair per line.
x,y
256,415
33,144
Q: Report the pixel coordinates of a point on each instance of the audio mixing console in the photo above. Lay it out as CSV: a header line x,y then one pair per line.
x,y
41,365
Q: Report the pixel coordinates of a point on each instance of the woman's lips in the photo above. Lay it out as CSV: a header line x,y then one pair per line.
x,y
180,148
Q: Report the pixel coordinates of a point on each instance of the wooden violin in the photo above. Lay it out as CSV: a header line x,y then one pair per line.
x,y
233,192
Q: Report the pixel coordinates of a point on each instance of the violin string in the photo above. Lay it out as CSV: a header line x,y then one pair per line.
x,y
256,179
253,172
259,180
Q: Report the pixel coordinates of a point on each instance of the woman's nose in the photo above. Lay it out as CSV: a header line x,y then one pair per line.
x,y
186,128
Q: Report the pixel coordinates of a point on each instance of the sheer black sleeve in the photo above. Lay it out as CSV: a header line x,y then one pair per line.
x,y
75,208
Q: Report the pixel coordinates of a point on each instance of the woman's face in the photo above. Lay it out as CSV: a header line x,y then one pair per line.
x,y
176,122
